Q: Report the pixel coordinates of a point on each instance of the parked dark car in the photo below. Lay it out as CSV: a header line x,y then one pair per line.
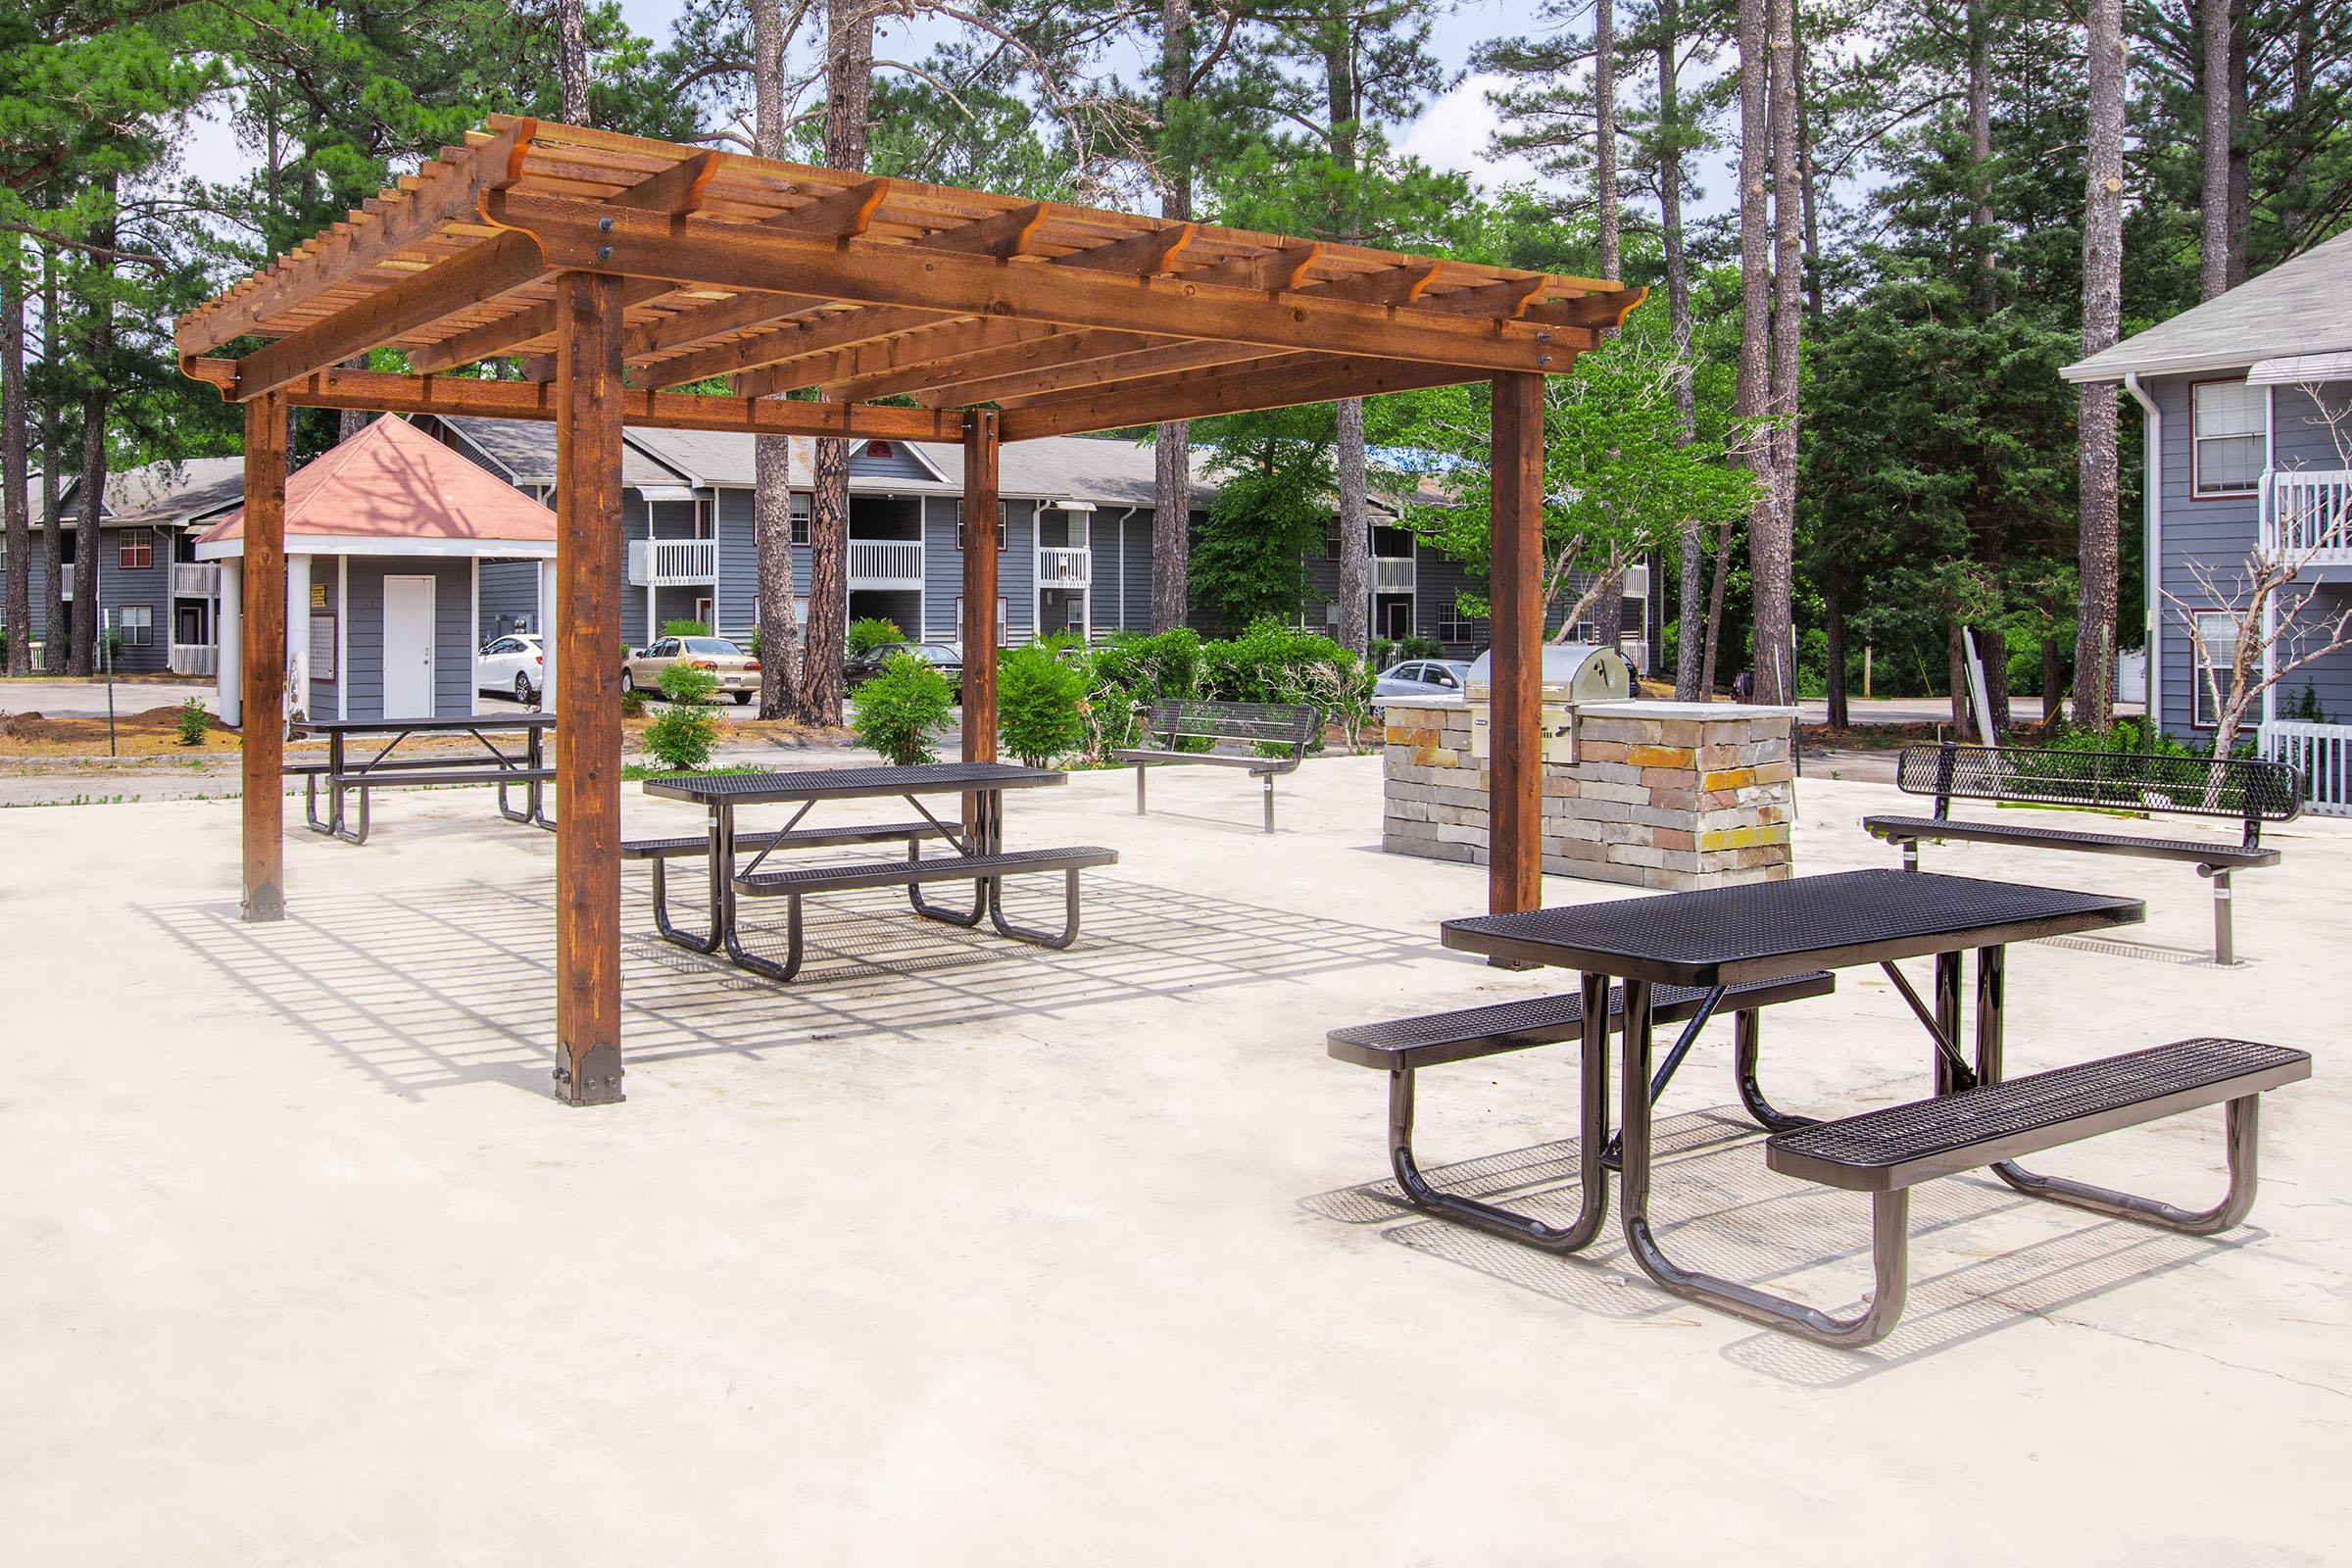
x,y
942,656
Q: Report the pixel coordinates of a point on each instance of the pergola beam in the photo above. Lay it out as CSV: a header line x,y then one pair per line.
x,y
731,256
1515,598
380,391
965,351
1277,382
262,575
1090,365
779,345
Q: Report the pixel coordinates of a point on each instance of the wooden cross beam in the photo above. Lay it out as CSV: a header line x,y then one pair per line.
x,y
1036,384
922,366
779,346
1276,381
1005,235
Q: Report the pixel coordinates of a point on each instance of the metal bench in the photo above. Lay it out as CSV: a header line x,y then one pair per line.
x,y
418,771
1272,739
1886,1152
664,849
984,871
2242,790
1403,1046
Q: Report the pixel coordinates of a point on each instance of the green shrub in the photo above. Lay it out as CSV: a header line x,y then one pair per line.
x,y
685,628
870,632
1418,646
1271,662
1040,703
1128,671
900,710
683,734
193,722
632,703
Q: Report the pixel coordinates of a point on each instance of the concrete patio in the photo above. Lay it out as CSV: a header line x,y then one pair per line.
x,y
959,1251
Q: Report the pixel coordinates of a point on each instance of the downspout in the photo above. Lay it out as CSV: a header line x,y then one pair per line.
x,y
2152,558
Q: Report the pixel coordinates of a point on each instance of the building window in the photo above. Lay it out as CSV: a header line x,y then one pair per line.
x,y
2230,442
136,549
2214,654
1003,622
800,520
1003,511
880,449
136,623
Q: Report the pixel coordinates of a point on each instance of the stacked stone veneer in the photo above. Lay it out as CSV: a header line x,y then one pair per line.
x,y
1660,795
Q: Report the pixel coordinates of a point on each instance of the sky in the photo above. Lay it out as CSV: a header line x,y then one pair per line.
x,y
1452,132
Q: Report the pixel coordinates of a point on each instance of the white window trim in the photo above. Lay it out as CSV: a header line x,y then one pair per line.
x,y
2197,489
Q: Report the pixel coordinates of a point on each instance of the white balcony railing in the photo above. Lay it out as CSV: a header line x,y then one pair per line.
x,y
2307,516
1392,574
64,580
195,579
2323,755
1059,567
662,563
194,658
886,564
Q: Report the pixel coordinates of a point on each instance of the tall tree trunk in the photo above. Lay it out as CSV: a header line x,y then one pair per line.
x,y
1355,529
2095,401
1772,543
1604,133
1834,607
99,348
2213,91
2242,145
1751,392
16,600
849,95
53,462
351,422
771,455
1980,150
1805,176
1955,674
1693,587
1171,446
571,57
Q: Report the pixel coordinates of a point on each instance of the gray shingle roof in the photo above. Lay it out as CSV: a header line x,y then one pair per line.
x,y
526,449
2298,306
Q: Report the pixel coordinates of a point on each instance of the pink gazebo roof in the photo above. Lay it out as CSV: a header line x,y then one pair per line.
x,y
392,481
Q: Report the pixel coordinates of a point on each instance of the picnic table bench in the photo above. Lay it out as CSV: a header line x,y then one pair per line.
x,y
1721,939
525,768
1268,739
2238,789
980,857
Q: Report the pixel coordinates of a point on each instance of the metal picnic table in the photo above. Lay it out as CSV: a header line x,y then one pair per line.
x,y
525,767
1720,937
723,794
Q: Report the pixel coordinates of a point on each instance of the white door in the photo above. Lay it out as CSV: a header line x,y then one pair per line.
x,y
408,647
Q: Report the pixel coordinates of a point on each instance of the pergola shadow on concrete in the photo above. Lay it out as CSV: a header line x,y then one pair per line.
x,y
613,267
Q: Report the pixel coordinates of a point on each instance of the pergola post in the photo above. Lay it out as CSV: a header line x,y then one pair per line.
x,y
587,636
1514,760
980,454
264,658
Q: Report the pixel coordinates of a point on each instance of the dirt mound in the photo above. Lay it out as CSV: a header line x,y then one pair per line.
x,y
152,729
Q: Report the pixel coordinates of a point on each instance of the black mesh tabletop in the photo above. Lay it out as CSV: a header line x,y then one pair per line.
x,y
848,783
1720,936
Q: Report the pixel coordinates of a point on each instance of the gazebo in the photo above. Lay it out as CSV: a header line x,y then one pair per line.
x,y
614,266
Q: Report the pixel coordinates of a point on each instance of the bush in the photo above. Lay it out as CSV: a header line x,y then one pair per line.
x,y
683,735
900,710
685,628
193,722
1128,671
1040,704
869,633
1271,662
1418,646
632,703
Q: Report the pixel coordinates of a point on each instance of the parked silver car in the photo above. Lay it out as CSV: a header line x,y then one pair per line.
x,y
1422,677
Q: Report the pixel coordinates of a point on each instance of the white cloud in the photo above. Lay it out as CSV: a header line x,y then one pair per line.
x,y
1458,131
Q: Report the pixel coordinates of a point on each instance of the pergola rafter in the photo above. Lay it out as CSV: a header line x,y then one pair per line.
x,y
615,267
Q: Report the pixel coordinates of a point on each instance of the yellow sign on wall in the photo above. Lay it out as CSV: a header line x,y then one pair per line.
x,y
318,596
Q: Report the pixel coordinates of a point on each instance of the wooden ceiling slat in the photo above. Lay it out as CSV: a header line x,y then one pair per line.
x,y
1046,382
875,353
1275,382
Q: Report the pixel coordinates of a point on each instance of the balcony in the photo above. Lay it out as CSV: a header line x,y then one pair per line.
x,y
1059,567
194,658
195,579
886,563
2320,755
672,562
2307,517
1392,574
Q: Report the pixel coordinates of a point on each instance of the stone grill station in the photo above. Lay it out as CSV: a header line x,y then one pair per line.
x,y
1658,795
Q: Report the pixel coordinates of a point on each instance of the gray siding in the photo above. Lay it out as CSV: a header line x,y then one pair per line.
x,y
510,597
943,570
738,565
325,574
901,464
2216,533
453,626
149,586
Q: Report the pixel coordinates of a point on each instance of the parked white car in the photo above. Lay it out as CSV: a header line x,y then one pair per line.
x,y
1422,677
514,665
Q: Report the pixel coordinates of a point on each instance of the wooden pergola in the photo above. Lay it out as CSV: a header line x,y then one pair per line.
x,y
614,266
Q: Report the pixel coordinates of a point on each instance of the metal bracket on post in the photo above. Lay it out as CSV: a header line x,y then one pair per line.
x,y
598,1081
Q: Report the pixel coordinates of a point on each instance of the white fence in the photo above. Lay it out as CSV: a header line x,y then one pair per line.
x,y
2307,512
195,579
1392,574
194,658
659,563
1059,567
886,564
2323,755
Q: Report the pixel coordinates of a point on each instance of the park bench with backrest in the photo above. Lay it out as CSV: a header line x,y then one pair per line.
x,y
2240,790
1266,738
